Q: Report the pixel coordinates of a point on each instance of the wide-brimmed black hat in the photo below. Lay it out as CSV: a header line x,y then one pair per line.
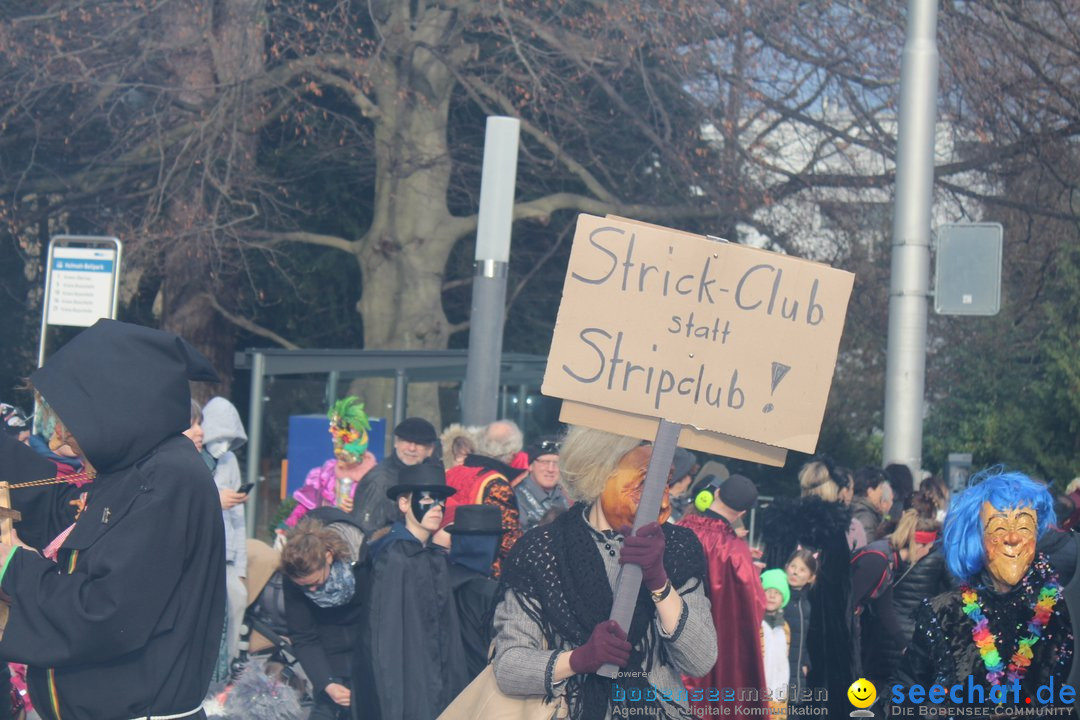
x,y
420,477
417,430
476,520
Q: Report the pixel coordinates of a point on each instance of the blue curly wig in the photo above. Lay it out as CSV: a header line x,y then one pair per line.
x,y
963,540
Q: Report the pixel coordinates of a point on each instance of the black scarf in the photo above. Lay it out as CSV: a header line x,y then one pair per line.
x,y
559,578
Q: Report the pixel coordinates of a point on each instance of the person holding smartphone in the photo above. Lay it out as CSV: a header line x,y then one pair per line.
x,y
222,434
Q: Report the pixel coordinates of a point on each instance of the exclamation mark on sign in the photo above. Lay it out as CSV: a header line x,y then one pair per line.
x,y
779,370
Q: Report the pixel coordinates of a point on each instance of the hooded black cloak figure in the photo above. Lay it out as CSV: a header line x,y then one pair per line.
x,y
816,523
413,661
127,623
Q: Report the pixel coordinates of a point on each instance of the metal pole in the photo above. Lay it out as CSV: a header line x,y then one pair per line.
x,y
332,380
906,361
480,398
523,397
401,389
254,445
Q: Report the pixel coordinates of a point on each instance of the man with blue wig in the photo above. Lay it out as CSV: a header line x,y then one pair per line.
x,y
1005,632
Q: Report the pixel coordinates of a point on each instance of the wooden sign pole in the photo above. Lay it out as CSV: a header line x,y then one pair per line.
x,y
8,518
628,583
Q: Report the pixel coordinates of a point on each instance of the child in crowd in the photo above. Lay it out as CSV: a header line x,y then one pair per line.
x,y
775,636
801,570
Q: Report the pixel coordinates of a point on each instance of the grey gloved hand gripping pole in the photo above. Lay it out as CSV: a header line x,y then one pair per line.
x,y
628,582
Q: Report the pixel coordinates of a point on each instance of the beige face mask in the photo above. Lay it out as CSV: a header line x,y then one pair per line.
x,y
1009,542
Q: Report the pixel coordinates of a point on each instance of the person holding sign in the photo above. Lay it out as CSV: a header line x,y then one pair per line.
x,y
552,628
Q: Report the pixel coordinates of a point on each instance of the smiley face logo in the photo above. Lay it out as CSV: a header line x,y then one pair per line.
x,y
862,693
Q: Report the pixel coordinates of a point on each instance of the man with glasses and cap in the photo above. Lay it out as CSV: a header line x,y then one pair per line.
x,y
539,491
412,634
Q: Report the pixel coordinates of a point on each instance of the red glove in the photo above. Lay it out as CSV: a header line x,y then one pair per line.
x,y
606,644
646,548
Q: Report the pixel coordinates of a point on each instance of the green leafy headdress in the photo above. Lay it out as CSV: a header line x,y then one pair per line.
x,y
348,427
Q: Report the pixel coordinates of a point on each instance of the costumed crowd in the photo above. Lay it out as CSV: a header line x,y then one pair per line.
x,y
470,573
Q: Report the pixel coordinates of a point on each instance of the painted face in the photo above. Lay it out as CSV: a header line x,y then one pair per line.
x,y
773,600
798,575
349,444
427,508
1009,541
622,494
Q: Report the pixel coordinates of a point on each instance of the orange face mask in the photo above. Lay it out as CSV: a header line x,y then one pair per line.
x,y
622,493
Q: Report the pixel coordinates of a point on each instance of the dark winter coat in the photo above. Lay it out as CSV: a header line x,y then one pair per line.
x,y
475,596
1060,547
797,615
915,583
942,650
911,585
325,638
868,515
372,510
128,622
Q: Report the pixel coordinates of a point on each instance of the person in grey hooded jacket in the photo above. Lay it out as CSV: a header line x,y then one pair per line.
x,y
222,434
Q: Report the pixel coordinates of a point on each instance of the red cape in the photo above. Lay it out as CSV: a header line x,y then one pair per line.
x,y
738,607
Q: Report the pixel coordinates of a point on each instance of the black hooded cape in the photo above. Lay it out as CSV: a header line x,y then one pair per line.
x,y
128,622
412,662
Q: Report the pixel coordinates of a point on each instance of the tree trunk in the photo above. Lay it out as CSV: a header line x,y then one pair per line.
x,y
405,250
219,47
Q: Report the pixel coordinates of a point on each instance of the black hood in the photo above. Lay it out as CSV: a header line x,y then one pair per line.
x,y
122,389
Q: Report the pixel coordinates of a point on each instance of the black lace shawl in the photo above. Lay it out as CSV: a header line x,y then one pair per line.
x,y
559,578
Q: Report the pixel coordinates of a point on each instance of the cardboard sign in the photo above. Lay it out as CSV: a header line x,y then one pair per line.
x,y
721,337
640,426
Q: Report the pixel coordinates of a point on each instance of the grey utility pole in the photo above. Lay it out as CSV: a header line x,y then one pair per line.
x,y
480,396
906,363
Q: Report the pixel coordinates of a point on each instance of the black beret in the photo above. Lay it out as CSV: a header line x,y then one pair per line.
x,y
738,493
417,430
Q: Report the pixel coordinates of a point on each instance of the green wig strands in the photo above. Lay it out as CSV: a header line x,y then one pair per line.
x,y
349,412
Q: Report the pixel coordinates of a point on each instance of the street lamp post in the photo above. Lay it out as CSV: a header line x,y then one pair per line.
x,y
487,316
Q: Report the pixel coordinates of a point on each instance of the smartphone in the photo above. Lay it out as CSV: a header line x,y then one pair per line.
x,y
245,488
